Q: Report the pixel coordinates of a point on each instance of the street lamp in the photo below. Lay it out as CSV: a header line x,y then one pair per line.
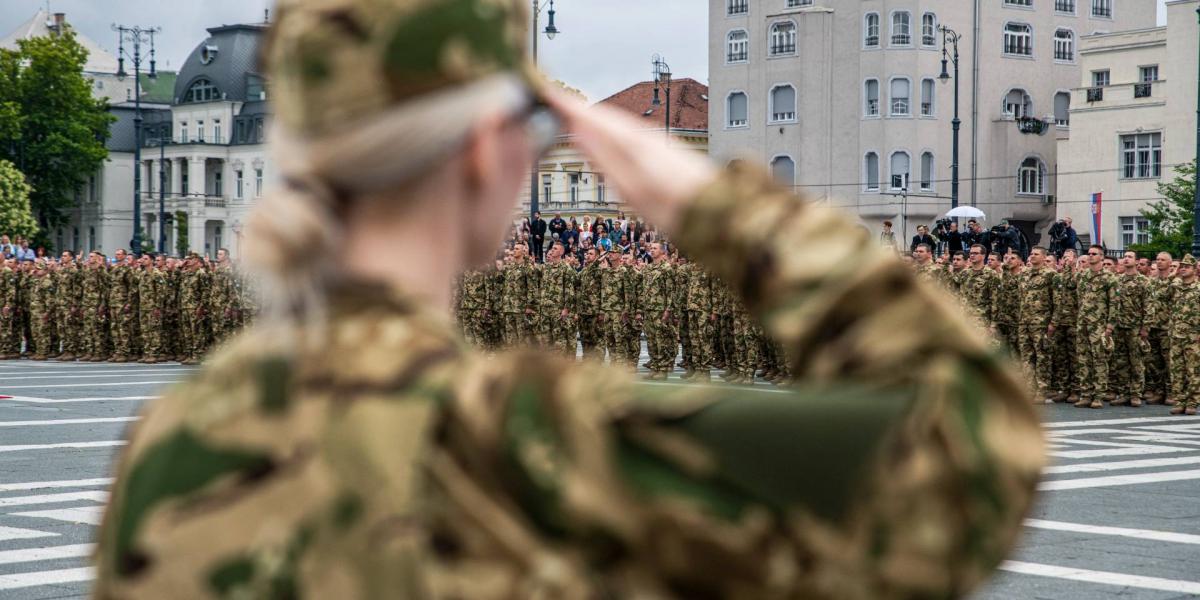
x,y
951,38
550,31
662,74
162,193
1196,197
136,35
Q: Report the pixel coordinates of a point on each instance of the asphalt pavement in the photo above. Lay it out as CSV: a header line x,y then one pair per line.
x,y
1118,515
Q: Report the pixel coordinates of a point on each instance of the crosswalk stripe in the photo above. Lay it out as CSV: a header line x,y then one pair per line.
x,y
90,515
1148,463
1102,577
38,578
75,385
53,498
57,376
24,447
67,422
11,557
16,533
29,400
1115,480
62,483
1129,421
1141,534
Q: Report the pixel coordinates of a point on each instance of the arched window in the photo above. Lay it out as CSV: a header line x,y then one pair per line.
x,y
1018,39
927,172
871,93
737,46
928,29
1064,45
900,168
783,38
871,166
1017,104
202,90
901,28
927,95
783,169
783,104
1031,177
737,108
1062,109
871,30
901,97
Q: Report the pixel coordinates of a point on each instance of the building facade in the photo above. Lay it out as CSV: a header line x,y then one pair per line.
x,y
1133,119
842,99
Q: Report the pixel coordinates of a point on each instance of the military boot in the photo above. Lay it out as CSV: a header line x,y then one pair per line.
x,y
1190,411
1135,402
1170,401
1083,403
66,357
1177,410
1118,400
1096,404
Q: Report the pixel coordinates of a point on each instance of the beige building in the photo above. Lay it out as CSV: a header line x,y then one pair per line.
x,y
1133,118
841,98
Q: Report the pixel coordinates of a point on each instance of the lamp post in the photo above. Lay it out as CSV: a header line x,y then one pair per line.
x,y
136,35
1196,197
162,194
662,75
950,38
550,31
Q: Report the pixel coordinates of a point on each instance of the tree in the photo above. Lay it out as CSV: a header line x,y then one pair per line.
x,y
1171,218
50,126
15,215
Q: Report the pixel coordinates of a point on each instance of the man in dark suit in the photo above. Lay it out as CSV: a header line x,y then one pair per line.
x,y
558,225
922,237
537,235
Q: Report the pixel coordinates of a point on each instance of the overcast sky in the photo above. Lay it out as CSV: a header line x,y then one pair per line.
x,y
605,45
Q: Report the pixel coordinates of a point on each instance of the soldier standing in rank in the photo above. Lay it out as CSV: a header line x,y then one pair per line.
x,y
1184,340
612,306
700,317
495,294
152,293
978,285
473,309
123,307
591,328
658,294
746,342
223,298
1036,299
95,308
516,300
8,308
68,306
557,302
41,310
1098,303
1064,339
1159,307
194,308
1131,334
924,263
682,274
631,332
1008,301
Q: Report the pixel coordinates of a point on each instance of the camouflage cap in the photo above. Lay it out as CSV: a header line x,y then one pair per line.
x,y
1188,260
337,61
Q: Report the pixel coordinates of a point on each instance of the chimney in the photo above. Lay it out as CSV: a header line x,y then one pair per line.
x,y
60,19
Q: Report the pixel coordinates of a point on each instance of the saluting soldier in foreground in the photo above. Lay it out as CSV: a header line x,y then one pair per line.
x,y
370,453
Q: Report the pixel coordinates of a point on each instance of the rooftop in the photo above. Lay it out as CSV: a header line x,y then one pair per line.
x,y
689,104
44,24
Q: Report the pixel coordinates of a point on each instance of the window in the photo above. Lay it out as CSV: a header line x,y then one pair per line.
x,y
798,3
1100,78
1064,6
1062,109
738,44
216,131
928,29
901,29
258,130
1134,230
200,131
872,168
1064,45
737,109
927,172
1102,8
927,92
899,172
783,38
183,179
1148,74
202,90
783,169
783,104
601,189
1018,104
258,183
1141,156
1018,39
573,180
218,184
901,92
183,133
871,30
1018,2
739,7
547,187
239,184
1031,177
872,96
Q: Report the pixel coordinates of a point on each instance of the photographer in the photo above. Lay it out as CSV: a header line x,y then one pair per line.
x,y
1063,237
1004,238
976,235
946,231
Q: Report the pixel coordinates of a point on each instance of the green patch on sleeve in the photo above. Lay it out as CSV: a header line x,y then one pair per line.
x,y
534,452
274,378
231,575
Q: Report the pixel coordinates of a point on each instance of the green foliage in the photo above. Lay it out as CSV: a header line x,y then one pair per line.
x,y
1171,218
50,126
181,233
15,215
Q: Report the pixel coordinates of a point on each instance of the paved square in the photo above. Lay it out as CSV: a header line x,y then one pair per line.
x,y
1118,517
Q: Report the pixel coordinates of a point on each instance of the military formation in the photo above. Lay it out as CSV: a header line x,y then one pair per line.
x,y
608,302
147,309
1088,329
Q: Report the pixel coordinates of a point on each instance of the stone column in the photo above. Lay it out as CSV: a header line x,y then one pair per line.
x,y
196,180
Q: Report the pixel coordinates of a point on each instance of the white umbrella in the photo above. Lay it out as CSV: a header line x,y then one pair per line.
x,y
969,212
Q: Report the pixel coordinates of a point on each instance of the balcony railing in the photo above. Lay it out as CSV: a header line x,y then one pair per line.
x,y
1064,6
739,7
1142,90
1095,94
216,202
741,56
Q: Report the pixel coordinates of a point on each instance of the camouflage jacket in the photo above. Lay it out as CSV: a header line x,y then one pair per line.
x,y
473,292
1036,296
152,291
1007,303
1098,299
612,290
223,295
557,289
658,289
979,289
699,290
1132,301
589,282
94,293
373,455
634,280
1066,299
194,287
42,290
1185,318
122,289
70,288
1159,304
8,289
514,296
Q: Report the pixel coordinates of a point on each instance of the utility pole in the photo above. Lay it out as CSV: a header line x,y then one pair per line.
x,y
662,75
550,32
1196,192
136,35
951,38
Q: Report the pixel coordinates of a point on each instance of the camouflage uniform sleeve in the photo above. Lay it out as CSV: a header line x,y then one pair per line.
x,y
1112,309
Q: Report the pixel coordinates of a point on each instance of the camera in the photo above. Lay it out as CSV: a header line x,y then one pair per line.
x,y
942,225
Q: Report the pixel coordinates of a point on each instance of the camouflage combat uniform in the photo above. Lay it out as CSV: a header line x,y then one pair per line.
x,y
631,332
8,311
41,312
1098,301
591,331
1064,343
1007,311
152,297
224,302
1036,299
194,312
699,317
1184,342
69,310
612,307
1127,375
658,293
123,311
979,290
95,313
556,293
473,309
515,300
1159,307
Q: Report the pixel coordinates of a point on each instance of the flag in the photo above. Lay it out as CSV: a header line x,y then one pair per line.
x,y
1097,214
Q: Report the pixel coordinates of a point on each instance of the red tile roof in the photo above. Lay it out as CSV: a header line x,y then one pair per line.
x,y
689,104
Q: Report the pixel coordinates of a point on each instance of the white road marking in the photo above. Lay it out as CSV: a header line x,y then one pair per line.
x,y
24,447
1141,534
104,375
75,385
90,515
1114,480
1185,428
53,498
64,483
16,533
1102,577
1129,421
38,578
1122,464
31,400
67,422
1114,449
10,557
